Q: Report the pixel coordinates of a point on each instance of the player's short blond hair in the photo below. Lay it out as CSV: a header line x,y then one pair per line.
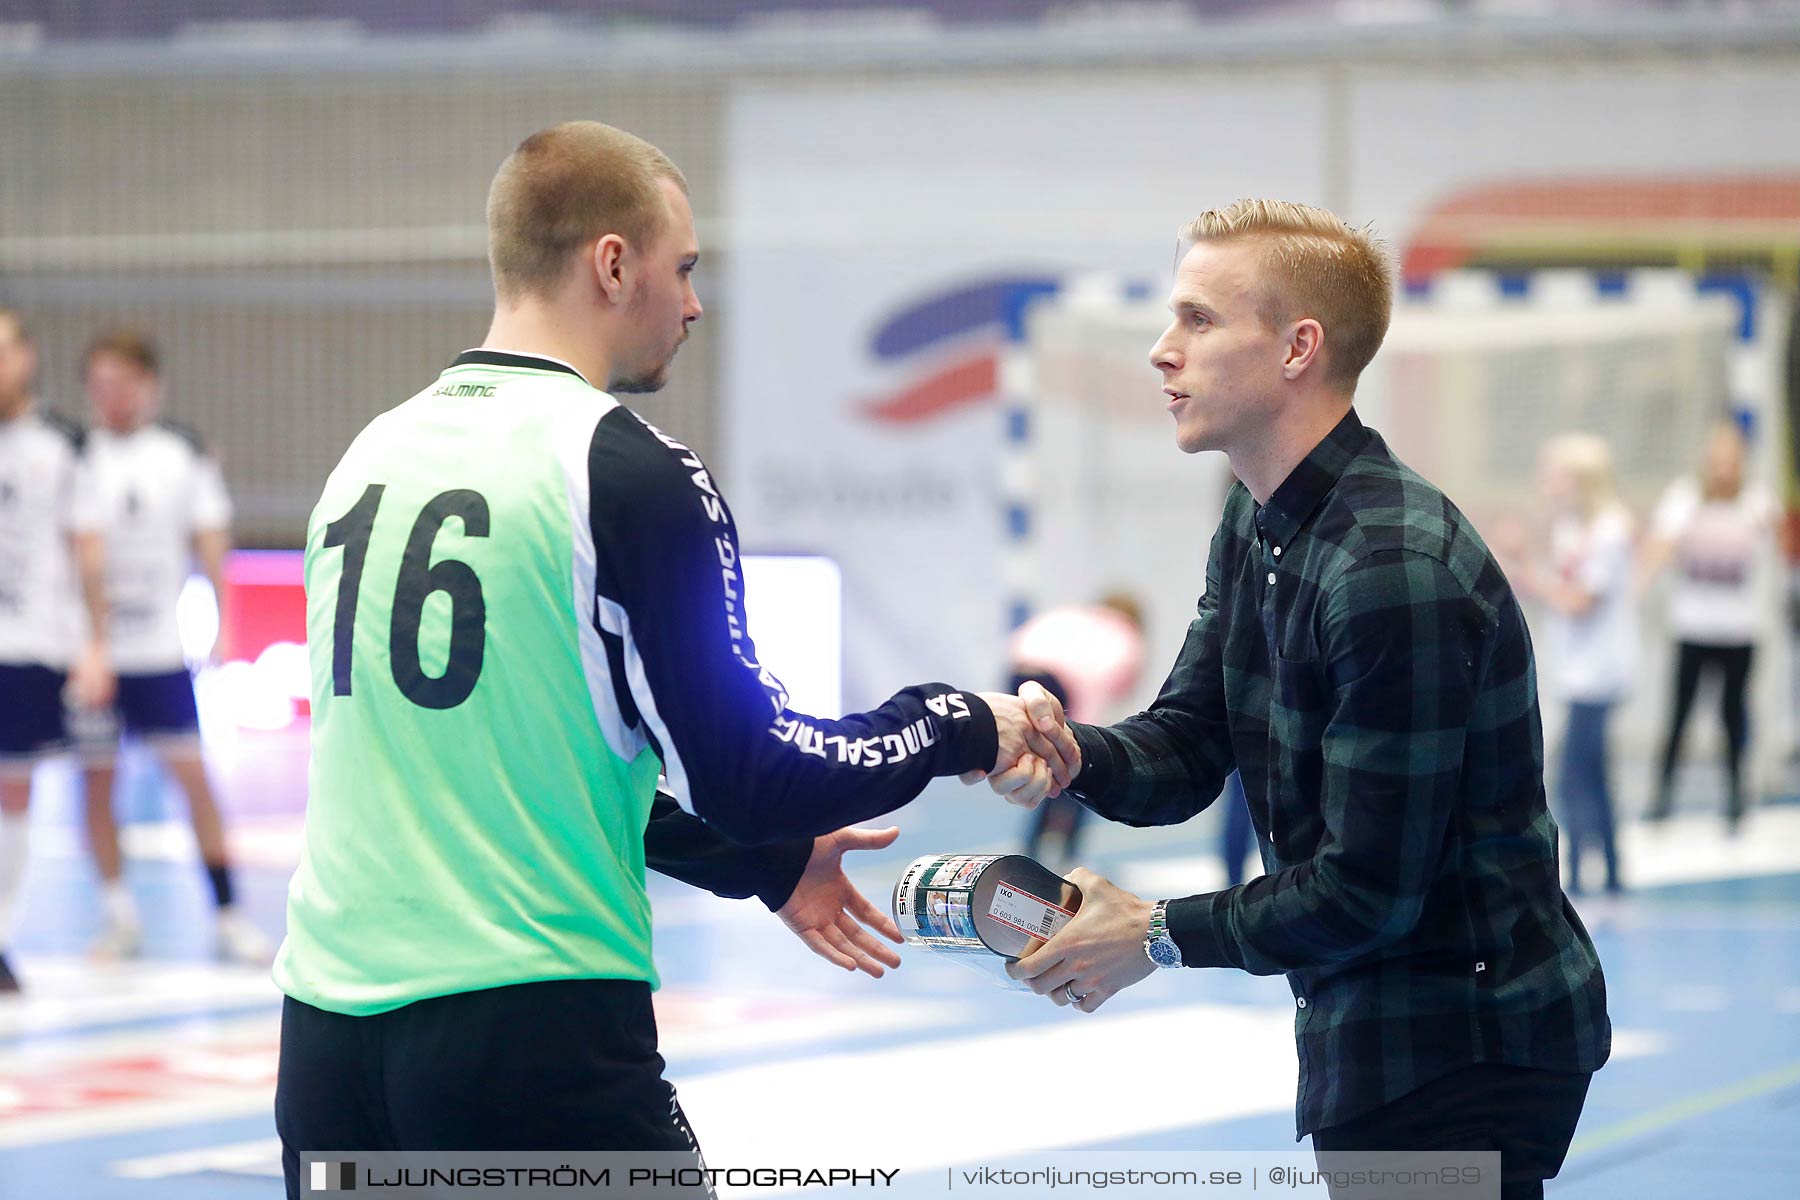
x,y
565,187
1313,265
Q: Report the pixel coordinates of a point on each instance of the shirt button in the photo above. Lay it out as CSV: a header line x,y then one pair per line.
x,y
1278,552
1271,577
1301,1002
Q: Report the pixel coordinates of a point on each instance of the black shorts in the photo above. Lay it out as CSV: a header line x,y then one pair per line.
x,y
31,711
159,705
556,1066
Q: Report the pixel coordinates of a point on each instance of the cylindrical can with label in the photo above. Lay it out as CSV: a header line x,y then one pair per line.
x,y
985,910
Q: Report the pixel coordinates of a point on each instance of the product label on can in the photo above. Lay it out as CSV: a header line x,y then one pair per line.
x,y
967,872
945,914
1029,914
935,898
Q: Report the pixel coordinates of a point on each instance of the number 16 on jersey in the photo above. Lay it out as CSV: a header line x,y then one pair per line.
x,y
417,578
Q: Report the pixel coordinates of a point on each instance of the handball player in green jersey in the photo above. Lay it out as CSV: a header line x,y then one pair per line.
x,y
524,604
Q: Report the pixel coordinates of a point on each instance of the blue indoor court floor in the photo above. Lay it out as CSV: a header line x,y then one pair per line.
x,y
153,1079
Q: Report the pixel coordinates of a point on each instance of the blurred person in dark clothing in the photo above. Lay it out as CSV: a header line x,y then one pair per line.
x,y
1718,533
1236,839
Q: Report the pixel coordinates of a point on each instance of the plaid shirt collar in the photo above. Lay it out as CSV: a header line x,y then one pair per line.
x,y
1310,482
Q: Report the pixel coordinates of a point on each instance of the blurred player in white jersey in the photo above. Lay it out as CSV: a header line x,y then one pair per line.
x,y
39,630
162,505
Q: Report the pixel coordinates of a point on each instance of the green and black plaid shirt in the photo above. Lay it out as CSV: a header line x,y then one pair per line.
x,y
1360,659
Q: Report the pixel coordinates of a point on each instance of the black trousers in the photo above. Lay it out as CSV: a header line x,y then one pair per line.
x,y
557,1066
1528,1115
1733,664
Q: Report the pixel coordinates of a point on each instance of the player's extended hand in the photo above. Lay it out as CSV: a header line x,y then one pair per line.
x,y
828,913
1098,954
1038,753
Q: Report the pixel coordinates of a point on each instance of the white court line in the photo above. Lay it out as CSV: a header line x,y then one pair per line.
x,y
69,993
260,1157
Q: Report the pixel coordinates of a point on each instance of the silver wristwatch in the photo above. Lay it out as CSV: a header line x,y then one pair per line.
x,y
1159,947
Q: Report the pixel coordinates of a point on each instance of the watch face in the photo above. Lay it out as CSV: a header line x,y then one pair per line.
x,y
1164,954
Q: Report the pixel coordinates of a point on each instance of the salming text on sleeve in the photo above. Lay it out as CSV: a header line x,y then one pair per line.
x,y
671,606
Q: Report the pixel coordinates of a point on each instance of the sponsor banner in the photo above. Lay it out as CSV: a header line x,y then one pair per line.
x,y
884,243
881,456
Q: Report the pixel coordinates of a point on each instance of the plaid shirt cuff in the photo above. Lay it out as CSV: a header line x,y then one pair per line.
x,y
1200,928
1096,761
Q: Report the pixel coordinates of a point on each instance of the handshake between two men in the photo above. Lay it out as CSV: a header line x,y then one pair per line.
x,y
1038,753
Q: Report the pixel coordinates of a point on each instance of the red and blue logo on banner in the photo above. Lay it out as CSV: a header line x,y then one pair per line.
x,y
948,345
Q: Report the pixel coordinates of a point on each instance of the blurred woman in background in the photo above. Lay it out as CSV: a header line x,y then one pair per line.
x,y
1591,634
1719,533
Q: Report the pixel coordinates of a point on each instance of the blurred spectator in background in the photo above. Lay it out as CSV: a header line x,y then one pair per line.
x,y
1236,839
161,504
40,515
1720,534
1591,632
1090,657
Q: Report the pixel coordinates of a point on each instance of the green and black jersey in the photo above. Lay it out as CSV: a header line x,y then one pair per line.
x,y
523,604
